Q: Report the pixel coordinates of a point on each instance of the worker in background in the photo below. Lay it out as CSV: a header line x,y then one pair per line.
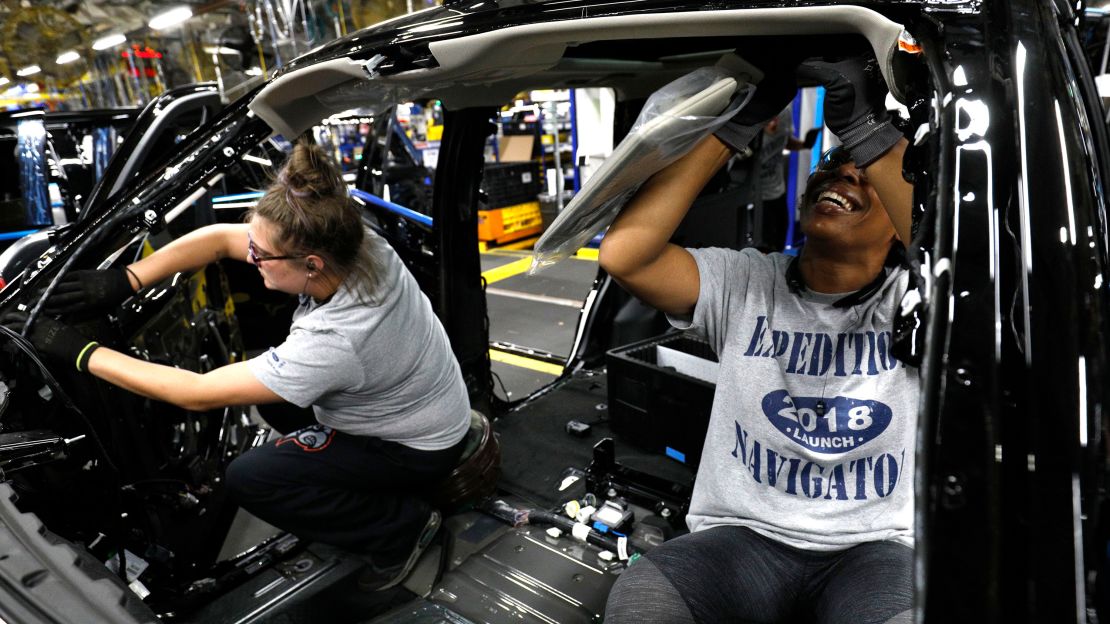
x,y
803,504
365,350
778,137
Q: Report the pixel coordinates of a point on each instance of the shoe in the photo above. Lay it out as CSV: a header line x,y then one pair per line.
x,y
377,579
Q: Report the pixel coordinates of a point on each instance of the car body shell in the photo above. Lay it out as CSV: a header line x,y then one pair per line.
x,y
1010,155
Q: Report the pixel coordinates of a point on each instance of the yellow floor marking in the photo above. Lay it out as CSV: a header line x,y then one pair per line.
x,y
516,267
523,362
587,253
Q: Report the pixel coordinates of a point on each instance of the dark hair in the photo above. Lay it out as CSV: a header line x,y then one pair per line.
x,y
312,213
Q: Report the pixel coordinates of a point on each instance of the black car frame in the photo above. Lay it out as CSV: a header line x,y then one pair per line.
x,y
1008,315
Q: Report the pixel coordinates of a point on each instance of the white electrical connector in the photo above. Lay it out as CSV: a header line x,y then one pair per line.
x,y
554,532
580,531
140,590
606,555
585,513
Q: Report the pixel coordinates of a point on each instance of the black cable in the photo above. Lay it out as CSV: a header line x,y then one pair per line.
x,y
500,383
85,244
29,350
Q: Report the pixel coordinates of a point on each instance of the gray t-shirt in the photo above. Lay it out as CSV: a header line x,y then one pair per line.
x,y
383,369
771,462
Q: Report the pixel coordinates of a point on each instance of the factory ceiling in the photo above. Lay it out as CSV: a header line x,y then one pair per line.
x,y
88,53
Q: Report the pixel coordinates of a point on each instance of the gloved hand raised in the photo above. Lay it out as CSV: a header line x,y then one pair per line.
x,y
772,94
89,290
55,339
854,107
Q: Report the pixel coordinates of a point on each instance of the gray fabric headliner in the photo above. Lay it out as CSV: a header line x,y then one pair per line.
x,y
490,68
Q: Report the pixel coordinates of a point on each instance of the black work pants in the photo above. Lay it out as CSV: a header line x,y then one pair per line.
x,y
359,493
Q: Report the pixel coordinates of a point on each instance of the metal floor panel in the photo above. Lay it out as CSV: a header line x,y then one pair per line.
x,y
569,279
534,324
525,577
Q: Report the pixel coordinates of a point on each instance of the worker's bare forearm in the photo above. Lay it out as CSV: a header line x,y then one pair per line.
x,y
636,251
190,252
640,233
231,384
155,381
885,175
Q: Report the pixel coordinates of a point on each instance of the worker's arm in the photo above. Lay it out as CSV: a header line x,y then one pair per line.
x,y
193,251
636,250
794,144
95,290
885,175
233,384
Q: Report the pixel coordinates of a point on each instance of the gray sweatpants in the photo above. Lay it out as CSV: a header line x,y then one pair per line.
x,y
735,575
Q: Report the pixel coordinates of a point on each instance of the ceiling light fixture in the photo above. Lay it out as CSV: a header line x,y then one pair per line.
x,y
67,57
109,41
27,71
170,18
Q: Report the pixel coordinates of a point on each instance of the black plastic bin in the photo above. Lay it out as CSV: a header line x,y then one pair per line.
x,y
657,408
509,184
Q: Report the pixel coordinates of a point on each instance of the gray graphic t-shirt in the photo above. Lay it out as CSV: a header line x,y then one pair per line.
x,y
811,437
383,370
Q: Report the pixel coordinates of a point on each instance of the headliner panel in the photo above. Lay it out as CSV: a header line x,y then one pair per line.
x,y
488,69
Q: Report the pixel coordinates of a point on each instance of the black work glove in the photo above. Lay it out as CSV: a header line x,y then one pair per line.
x,y
54,339
88,290
778,59
772,94
854,106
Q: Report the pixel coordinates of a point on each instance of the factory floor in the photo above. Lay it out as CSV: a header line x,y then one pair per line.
x,y
538,312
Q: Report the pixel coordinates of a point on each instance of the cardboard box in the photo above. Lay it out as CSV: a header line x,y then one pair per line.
x,y
516,148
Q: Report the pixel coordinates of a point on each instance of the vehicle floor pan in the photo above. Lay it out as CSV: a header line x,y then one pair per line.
x,y
529,576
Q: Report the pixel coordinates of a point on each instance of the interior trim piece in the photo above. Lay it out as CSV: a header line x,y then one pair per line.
x,y
290,103
540,46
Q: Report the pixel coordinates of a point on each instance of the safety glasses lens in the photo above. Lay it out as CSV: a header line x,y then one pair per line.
x,y
834,158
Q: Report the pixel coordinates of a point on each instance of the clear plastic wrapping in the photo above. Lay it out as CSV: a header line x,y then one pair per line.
x,y
674,119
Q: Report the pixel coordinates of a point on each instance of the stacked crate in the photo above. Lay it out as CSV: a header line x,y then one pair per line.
x,y
514,213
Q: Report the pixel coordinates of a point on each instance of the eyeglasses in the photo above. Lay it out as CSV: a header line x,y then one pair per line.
x,y
833,159
259,258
